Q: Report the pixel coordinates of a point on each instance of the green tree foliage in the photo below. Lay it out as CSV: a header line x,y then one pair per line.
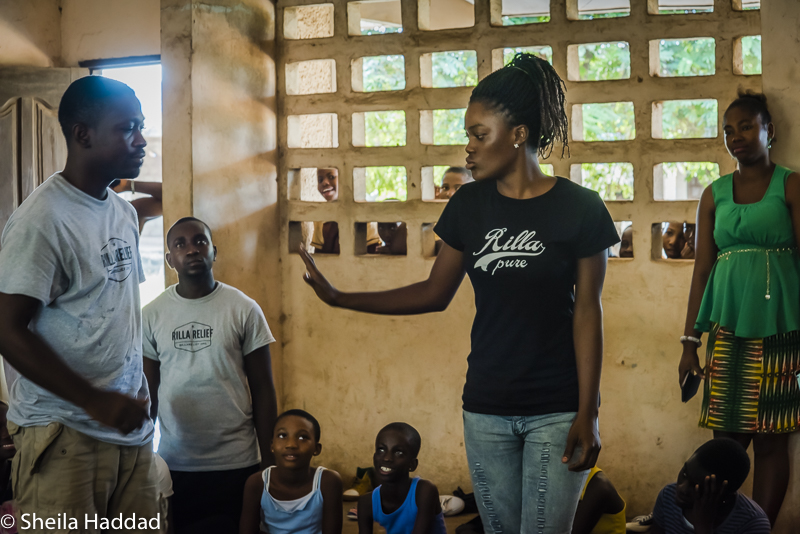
x,y
458,68
689,119
608,122
611,15
385,128
384,73
386,183
686,57
751,54
448,127
514,21
613,181
371,28
604,61
696,174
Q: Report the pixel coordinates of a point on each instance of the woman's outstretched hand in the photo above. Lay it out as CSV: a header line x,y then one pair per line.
x,y
690,363
324,290
583,433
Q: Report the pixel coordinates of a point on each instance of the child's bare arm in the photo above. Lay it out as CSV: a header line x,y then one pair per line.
x,y
428,507
365,519
250,522
331,486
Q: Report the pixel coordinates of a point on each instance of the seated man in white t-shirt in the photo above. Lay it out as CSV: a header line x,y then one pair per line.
x,y
206,348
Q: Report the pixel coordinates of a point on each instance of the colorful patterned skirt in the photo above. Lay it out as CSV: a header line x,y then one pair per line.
x,y
752,384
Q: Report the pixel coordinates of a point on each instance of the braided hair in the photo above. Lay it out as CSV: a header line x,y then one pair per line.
x,y
528,91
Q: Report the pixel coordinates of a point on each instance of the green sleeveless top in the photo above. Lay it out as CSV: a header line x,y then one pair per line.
x,y
754,287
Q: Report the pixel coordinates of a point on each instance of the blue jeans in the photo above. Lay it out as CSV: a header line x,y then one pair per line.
x,y
520,484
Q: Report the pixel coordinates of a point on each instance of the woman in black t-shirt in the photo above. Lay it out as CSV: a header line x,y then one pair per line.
x,y
534,247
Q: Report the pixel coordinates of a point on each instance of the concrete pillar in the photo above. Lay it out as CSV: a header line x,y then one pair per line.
x,y
780,55
220,137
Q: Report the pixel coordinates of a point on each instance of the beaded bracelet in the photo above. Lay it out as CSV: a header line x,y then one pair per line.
x,y
693,340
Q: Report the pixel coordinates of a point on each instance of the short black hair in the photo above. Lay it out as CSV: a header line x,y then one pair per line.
x,y
413,437
188,219
755,103
529,91
305,415
459,170
725,458
85,101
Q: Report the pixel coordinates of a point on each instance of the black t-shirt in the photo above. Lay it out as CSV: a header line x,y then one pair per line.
x,y
521,256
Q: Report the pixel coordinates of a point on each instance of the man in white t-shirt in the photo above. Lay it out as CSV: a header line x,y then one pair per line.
x,y
207,360
70,324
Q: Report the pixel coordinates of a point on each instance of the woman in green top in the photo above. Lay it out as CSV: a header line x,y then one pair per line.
x,y
746,293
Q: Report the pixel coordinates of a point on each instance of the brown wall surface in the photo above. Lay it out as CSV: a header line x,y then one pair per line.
x,y
30,33
781,75
220,139
101,29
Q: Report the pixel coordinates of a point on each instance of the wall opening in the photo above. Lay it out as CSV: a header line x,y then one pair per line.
x,y
679,7
379,128
624,249
444,15
442,127
379,73
683,57
320,130
685,119
673,241
380,184
612,181
591,9
747,55
308,22
457,68
374,18
599,61
613,121
518,12
683,180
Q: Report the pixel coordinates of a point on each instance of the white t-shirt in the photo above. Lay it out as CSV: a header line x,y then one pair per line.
x,y
80,257
204,405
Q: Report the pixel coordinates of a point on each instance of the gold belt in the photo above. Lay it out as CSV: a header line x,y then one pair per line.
x,y
766,251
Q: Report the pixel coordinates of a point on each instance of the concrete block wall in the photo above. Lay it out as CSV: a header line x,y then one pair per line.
x,y
357,372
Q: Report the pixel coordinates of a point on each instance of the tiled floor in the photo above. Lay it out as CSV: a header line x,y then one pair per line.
x,y
351,527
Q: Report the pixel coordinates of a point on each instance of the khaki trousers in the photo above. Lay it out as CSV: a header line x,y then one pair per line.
x,y
67,482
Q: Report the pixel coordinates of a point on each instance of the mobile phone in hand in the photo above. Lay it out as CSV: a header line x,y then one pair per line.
x,y
690,385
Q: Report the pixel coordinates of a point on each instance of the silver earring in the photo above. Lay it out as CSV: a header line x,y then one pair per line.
x,y
516,145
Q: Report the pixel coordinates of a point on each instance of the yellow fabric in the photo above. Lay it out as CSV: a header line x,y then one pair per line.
x,y
608,523
317,240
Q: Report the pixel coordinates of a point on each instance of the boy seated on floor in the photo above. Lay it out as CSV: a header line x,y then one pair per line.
x,y
706,499
400,504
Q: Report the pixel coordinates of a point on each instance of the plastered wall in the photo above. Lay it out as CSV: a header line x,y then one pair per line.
x,y
219,139
781,73
30,33
101,29
61,33
357,372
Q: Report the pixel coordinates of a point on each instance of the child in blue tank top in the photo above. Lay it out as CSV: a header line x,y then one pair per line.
x,y
292,497
400,504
